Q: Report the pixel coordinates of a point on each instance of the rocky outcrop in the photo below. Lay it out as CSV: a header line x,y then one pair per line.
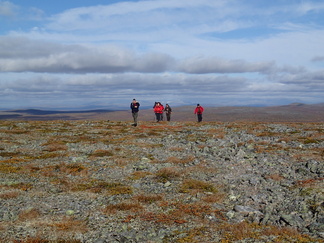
x,y
104,181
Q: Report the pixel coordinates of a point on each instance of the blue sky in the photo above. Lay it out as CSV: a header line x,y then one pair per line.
x,y
102,54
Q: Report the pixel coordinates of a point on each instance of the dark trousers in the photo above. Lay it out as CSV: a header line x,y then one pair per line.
x,y
158,116
168,115
199,117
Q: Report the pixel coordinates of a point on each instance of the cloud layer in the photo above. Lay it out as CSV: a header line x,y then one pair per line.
x,y
212,52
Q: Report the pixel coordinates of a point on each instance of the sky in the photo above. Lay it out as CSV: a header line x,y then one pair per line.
x,y
82,54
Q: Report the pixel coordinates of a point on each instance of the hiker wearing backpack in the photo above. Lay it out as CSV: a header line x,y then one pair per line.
x,y
168,111
135,108
162,116
199,111
158,110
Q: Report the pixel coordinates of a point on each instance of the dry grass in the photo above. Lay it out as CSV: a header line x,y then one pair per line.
x,y
181,213
216,133
50,162
194,186
29,214
9,195
101,153
176,149
310,183
214,198
244,230
167,174
111,188
43,240
61,169
18,185
123,206
274,177
50,155
70,224
7,168
55,145
136,175
309,153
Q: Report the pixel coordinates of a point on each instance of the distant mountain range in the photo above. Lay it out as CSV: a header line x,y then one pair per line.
x,y
51,112
295,112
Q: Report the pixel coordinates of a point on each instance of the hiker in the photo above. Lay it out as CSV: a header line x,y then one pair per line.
x,y
199,110
158,110
155,103
162,116
135,108
168,111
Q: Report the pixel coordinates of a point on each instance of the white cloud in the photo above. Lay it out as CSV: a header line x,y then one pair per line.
x,y
217,65
21,55
136,14
226,50
8,9
307,7
317,59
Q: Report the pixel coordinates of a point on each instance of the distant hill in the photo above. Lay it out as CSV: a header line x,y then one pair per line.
x,y
295,112
47,112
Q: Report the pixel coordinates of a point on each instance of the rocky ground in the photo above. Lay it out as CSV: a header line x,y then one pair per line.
x,y
105,181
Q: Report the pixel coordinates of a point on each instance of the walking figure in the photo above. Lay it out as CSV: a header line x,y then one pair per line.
x,y
199,111
168,112
135,108
158,110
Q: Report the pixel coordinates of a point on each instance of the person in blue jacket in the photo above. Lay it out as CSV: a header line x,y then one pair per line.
x,y
135,108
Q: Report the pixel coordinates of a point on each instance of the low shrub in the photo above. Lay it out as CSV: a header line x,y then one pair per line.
x,y
148,199
9,195
113,208
196,185
167,174
101,153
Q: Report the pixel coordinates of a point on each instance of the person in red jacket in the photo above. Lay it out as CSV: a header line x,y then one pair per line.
x,y
158,110
199,111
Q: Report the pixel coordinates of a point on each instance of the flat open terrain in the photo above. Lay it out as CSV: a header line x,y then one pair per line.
x,y
106,181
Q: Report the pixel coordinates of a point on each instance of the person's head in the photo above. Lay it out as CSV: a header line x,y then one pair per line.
x,y
198,104
134,100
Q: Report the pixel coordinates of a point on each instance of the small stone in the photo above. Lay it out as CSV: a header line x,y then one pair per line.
x,y
70,212
167,184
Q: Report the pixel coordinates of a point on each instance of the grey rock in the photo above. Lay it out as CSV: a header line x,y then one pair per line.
x,y
292,220
315,166
246,210
257,177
